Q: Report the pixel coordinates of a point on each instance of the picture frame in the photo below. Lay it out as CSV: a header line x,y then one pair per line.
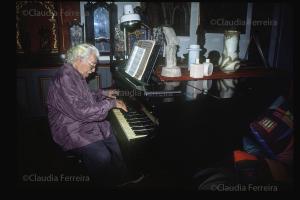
x,y
142,33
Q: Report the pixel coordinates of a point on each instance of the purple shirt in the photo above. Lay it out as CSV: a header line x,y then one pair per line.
x,y
77,116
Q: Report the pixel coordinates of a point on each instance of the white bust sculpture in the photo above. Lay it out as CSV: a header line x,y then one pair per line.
x,y
170,70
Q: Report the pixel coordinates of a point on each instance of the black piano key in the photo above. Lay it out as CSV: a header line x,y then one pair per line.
x,y
132,119
130,115
141,126
141,132
141,123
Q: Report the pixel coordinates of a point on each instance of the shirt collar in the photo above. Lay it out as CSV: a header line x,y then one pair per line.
x,y
70,66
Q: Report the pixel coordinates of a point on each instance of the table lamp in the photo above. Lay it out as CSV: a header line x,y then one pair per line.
x,y
129,20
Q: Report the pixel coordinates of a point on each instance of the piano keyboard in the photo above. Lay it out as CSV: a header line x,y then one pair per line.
x,y
134,124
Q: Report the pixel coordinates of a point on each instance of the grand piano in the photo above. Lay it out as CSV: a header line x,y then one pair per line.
x,y
176,127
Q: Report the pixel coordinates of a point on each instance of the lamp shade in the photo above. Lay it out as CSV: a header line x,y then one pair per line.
x,y
129,18
129,21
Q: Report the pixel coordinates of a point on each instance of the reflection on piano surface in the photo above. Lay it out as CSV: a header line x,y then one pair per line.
x,y
227,87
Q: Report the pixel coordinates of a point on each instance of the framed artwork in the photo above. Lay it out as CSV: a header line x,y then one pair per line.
x,y
36,32
143,33
76,33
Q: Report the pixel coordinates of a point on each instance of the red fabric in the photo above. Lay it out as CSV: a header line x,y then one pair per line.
x,y
241,155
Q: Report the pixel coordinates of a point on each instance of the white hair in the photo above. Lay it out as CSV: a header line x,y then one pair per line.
x,y
81,51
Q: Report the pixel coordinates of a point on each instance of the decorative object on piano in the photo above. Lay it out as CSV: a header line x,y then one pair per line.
x,y
194,52
129,21
170,70
197,69
208,68
229,60
76,33
226,87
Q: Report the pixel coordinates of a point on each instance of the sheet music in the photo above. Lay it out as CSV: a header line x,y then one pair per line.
x,y
139,58
148,45
135,61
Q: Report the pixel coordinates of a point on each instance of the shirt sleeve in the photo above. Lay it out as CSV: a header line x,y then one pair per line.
x,y
98,95
80,107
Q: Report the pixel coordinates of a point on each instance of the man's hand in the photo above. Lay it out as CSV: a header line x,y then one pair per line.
x,y
120,104
111,93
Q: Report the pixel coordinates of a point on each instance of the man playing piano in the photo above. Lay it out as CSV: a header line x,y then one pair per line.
x,y
77,117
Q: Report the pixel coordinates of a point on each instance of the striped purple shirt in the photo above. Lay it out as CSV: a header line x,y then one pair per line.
x,y
77,115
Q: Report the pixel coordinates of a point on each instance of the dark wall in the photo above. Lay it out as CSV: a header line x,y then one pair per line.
x,y
284,38
32,88
273,27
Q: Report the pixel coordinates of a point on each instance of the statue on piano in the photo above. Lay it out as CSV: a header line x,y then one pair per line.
x,y
172,42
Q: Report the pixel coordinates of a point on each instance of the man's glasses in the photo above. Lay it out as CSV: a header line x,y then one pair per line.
x,y
92,65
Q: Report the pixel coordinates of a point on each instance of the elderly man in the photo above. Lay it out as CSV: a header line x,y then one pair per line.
x,y
77,116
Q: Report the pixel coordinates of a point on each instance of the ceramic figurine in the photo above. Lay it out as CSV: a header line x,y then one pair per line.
x,y
229,60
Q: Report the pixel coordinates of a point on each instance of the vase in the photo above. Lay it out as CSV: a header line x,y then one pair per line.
x,y
229,61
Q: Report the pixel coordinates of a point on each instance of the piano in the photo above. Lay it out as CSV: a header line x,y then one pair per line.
x,y
174,128
136,123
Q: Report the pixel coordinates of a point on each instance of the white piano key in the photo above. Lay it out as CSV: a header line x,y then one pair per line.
x,y
130,135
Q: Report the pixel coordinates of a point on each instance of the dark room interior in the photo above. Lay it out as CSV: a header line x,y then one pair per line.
x,y
208,89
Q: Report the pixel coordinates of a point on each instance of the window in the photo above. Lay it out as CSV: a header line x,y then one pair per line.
x,y
177,14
